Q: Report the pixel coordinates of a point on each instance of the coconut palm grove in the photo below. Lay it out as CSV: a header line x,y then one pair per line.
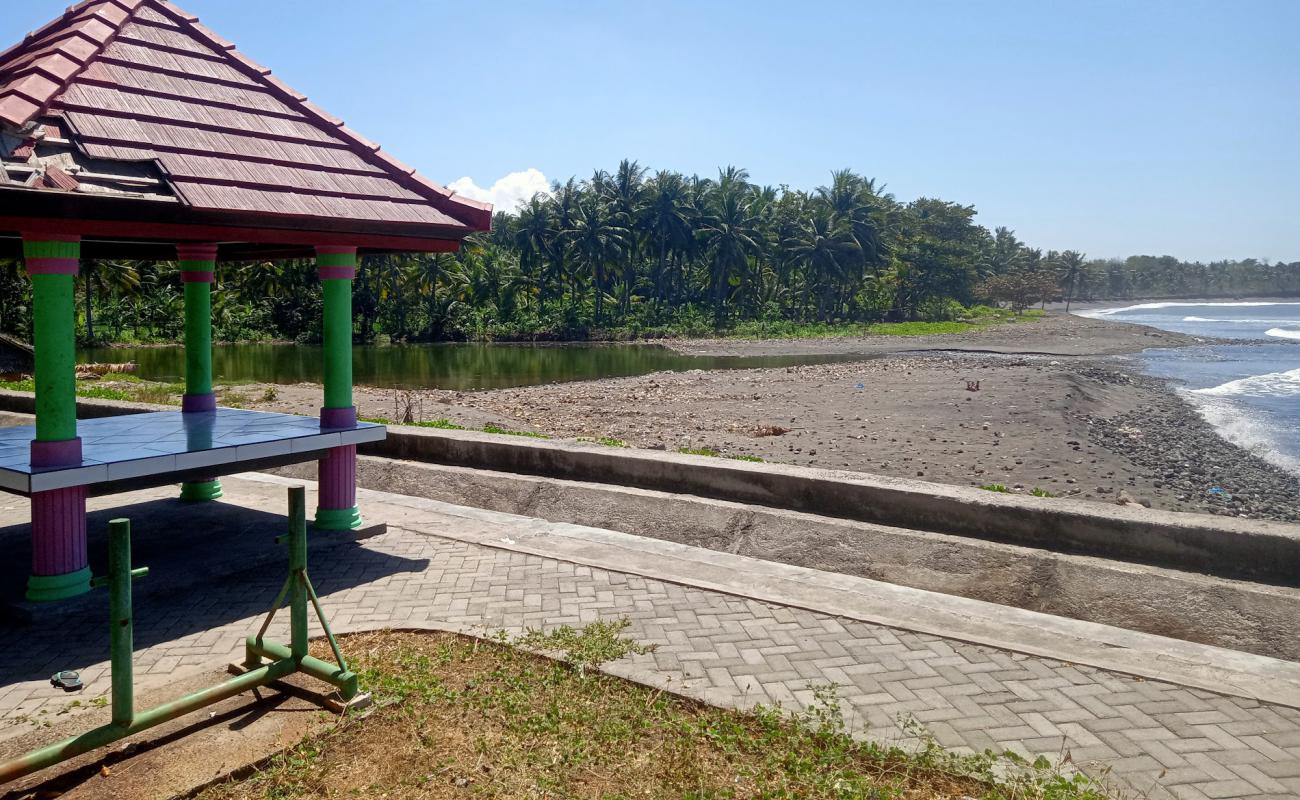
x,y
636,252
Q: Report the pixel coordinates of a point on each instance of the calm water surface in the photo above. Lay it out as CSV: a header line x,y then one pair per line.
x,y
442,366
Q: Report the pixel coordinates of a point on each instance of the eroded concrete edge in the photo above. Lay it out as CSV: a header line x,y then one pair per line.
x,y
977,622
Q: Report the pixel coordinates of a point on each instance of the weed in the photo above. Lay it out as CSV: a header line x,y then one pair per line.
x,y
996,487
608,441
1040,492
508,432
700,451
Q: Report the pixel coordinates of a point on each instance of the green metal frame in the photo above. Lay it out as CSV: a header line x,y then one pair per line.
x,y
284,661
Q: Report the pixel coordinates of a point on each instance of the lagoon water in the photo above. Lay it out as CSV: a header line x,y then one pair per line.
x,y
1250,392
457,366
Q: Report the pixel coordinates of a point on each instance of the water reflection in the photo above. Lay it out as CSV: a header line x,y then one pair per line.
x,y
444,366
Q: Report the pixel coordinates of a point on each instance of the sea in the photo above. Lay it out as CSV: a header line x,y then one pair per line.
x,y
1249,391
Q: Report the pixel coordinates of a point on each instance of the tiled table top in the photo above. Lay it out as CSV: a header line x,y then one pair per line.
x,y
141,445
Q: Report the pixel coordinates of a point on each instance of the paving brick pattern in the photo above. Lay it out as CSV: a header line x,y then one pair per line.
x,y
1168,741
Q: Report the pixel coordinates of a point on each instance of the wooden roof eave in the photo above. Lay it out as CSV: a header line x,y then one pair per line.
x,y
149,223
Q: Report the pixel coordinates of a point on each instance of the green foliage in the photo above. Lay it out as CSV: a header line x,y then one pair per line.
x,y
607,441
1039,492
996,487
508,432
700,451
637,254
588,647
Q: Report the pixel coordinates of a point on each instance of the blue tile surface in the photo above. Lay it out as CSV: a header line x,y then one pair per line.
x,y
171,438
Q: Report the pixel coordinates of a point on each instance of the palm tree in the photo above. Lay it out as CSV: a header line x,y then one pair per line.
x,y
830,255
120,278
626,198
596,242
730,235
666,218
534,241
1070,268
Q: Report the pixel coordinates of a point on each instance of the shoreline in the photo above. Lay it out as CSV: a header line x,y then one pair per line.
x,y
1070,422
1072,417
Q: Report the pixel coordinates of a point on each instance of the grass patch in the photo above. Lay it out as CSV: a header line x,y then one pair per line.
x,y
712,453
448,425
458,718
700,451
974,319
1039,492
608,441
996,487
23,385
507,432
119,388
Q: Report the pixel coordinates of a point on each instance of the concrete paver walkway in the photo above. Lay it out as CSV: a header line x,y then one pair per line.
x,y
1157,737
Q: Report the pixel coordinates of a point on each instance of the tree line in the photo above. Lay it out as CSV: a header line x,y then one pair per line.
x,y
638,253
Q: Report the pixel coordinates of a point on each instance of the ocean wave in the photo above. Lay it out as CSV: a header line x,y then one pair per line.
x,y
1242,428
1203,319
1273,384
1106,312
1283,333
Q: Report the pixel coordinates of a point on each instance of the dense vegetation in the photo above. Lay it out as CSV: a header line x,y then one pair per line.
x,y
631,253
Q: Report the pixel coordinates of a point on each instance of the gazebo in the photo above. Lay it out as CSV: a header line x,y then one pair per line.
x,y
129,130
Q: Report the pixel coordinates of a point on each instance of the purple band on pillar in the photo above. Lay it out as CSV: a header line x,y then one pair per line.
x,y
337,478
334,273
192,403
52,266
65,453
338,417
196,252
196,277
59,531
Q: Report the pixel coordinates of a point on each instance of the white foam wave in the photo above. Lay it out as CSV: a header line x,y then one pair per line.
x,y
1243,429
1283,333
1105,312
1203,319
1273,384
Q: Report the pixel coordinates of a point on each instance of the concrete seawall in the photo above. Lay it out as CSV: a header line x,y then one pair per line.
x,y
1223,547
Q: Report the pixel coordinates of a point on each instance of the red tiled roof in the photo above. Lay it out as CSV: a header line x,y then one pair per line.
x,y
143,81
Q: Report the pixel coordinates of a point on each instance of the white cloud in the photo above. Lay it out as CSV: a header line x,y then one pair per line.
x,y
507,194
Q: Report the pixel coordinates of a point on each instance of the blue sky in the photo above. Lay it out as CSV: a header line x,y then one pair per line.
x,y
1107,127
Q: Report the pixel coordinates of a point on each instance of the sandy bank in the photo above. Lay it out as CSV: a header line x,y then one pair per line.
x,y
1058,334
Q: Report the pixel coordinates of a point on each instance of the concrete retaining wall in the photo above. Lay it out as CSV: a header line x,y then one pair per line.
x,y
1238,615
1219,546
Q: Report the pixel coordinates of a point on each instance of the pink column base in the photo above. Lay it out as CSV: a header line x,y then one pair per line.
x,y
338,478
59,531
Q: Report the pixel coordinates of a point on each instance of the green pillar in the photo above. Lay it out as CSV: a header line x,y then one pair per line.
x,y
52,266
337,326
197,263
59,566
336,509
